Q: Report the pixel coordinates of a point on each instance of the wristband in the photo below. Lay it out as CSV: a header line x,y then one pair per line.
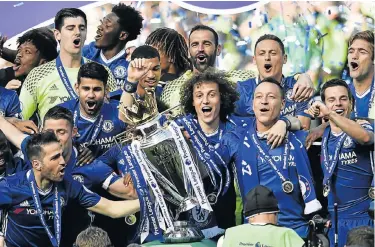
x,y
287,122
130,87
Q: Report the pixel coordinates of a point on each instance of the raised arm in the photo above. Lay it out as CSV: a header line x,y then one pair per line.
x,y
116,209
11,132
350,127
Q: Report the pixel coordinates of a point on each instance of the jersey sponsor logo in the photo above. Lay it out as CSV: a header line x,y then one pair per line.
x,y
47,212
347,158
78,178
288,109
53,88
108,126
52,99
348,142
119,72
200,216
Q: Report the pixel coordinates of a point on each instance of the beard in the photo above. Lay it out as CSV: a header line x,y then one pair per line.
x,y
202,67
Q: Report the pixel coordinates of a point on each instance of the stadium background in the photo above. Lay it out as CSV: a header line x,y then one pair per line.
x,y
315,34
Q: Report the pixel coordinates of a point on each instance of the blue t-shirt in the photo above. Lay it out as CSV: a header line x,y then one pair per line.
x,y
9,103
23,226
362,102
111,126
352,176
118,64
235,147
246,89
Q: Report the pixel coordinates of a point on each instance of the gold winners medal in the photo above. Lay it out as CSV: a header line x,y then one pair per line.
x,y
130,219
287,187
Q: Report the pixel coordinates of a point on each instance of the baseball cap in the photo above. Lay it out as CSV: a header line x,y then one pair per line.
x,y
260,200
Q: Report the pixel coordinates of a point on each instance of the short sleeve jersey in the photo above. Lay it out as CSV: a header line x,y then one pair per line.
x,y
23,226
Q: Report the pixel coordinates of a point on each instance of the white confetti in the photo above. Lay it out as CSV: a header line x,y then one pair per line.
x,y
327,70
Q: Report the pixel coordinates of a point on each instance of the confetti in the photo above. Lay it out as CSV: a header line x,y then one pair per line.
x,y
18,4
249,24
327,70
329,12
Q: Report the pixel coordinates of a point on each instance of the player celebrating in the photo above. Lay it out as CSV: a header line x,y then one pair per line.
x,y
346,159
284,169
270,57
120,26
97,122
35,198
52,83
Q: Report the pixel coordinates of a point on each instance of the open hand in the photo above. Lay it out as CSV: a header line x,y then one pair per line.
x,y
138,69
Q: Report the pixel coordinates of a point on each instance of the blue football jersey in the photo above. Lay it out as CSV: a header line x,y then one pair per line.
x,y
23,226
352,176
111,126
235,146
9,103
362,102
118,64
246,89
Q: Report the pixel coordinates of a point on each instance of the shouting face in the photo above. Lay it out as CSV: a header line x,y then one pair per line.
x,y
28,57
108,32
360,60
206,101
267,103
337,100
269,59
72,35
91,94
203,50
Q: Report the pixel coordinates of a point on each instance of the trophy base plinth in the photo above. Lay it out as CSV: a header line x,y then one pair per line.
x,y
183,233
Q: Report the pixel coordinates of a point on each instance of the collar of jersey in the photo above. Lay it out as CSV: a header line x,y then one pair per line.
x,y
118,55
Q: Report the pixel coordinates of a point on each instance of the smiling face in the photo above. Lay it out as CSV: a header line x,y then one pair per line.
x,y
337,99
269,59
108,32
91,94
52,164
360,60
151,79
28,57
206,101
267,103
203,50
72,35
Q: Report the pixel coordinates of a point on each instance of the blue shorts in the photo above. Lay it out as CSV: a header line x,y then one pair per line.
x,y
345,225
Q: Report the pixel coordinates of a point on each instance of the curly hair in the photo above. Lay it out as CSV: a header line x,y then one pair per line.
x,y
130,20
173,45
43,40
228,93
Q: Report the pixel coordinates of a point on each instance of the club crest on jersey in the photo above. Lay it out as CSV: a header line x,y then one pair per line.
x,y
119,72
78,178
108,126
288,94
200,216
348,142
305,186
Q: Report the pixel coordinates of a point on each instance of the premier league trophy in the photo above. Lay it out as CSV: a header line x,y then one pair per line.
x,y
165,160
